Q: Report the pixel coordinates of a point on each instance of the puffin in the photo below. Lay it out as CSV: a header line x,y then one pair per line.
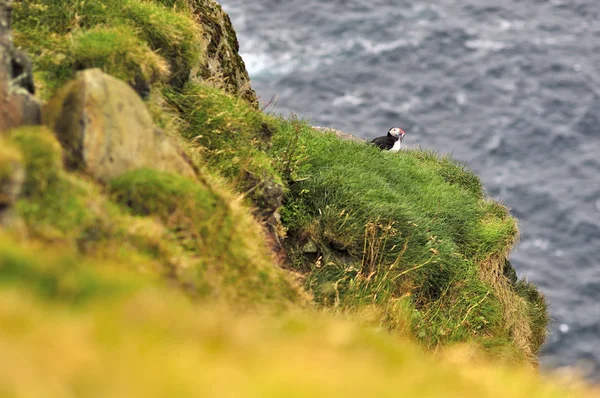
x,y
392,141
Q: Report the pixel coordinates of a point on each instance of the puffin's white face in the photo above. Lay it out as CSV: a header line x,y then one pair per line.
x,y
397,132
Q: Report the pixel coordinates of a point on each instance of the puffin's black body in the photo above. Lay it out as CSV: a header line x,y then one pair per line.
x,y
390,141
386,142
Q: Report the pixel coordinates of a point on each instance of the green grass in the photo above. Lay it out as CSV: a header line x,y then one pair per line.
x,y
230,137
120,53
141,42
410,227
232,260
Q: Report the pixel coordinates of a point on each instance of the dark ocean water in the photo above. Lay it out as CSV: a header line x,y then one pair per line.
x,y
513,90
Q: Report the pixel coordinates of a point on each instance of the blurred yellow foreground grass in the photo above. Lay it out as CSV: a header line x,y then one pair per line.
x,y
113,334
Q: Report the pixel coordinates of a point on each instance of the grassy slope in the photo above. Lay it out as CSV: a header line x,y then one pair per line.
x,y
90,329
196,234
407,232
420,250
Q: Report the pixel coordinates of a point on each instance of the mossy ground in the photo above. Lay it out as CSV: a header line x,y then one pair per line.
x,y
409,243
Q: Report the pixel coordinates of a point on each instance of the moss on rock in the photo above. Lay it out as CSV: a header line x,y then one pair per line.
x,y
222,66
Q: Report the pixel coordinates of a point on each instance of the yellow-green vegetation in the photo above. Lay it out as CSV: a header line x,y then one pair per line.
x,y
158,285
196,234
89,329
231,137
141,42
232,261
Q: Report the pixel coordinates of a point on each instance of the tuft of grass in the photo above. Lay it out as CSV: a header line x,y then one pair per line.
x,y
11,165
51,202
537,309
232,260
120,53
139,41
173,34
230,136
410,226
44,29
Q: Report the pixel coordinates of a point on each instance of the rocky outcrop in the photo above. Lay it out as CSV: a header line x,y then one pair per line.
x,y
222,62
106,130
17,105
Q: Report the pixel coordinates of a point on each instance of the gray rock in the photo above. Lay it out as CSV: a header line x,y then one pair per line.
x,y
17,104
310,247
222,57
106,130
267,195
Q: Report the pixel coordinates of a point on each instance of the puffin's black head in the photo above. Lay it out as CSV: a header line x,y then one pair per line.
x,y
397,133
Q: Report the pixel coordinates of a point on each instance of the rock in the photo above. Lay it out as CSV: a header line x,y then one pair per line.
x,y
310,248
222,58
17,104
509,272
106,130
12,177
266,194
